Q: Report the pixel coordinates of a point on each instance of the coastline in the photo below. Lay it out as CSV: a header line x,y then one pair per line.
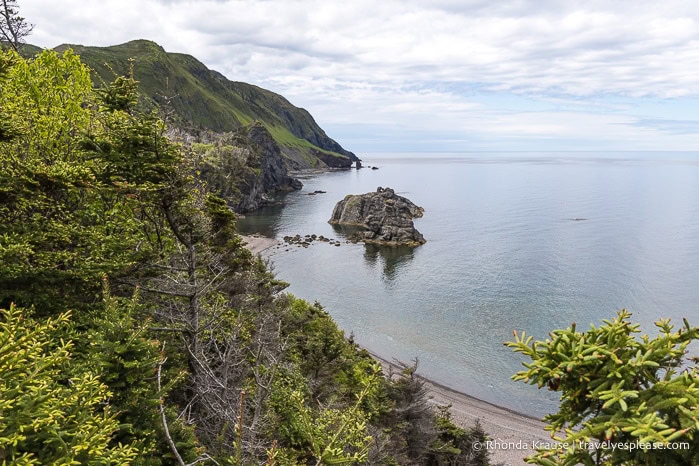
x,y
512,434
257,244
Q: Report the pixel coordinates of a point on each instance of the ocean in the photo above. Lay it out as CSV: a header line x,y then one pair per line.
x,y
515,241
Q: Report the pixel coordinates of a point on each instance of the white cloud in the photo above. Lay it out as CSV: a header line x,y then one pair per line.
x,y
423,66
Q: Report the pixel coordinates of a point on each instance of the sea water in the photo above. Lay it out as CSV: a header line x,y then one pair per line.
x,y
515,241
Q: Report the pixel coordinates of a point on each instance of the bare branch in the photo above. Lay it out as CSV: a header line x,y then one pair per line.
x,y
163,417
13,28
169,293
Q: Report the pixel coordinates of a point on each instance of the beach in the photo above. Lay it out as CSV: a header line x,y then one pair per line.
x,y
512,435
256,244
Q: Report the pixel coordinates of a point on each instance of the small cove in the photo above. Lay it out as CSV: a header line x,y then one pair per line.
x,y
503,252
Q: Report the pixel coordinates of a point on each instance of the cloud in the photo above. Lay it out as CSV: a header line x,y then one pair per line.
x,y
443,64
676,127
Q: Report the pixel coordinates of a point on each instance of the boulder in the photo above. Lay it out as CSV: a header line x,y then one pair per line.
x,y
381,217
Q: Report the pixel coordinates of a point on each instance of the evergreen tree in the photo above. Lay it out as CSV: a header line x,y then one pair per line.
x,y
624,400
64,226
46,415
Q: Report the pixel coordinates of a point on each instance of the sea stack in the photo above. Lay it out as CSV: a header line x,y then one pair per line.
x,y
382,217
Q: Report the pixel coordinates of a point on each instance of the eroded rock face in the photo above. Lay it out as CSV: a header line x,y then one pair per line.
x,y
270,174
382,217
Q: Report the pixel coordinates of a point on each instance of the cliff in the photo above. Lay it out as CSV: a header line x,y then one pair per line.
x,y
382,217
245,168
202,99
249,137
271,175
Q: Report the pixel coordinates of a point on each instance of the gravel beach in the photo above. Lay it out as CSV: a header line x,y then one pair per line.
x,y
257,244
512,435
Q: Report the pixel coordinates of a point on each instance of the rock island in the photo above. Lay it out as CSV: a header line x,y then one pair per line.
x,y
381,217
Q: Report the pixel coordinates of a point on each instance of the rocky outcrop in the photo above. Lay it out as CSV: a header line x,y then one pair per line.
x,y
381,217
332,160
269,175
246,168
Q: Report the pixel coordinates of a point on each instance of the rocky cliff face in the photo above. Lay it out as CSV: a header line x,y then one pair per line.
x,y
269,175
246,168
382,217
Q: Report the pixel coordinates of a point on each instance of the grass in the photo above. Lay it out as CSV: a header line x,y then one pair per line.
x,y
201,98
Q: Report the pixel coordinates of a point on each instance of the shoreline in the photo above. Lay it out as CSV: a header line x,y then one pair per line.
x,y
512,434
257,244
448,389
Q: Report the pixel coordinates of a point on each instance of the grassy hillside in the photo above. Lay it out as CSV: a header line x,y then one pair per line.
x,y
201,98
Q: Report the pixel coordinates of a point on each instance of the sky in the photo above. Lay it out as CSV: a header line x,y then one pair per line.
x,y
432,76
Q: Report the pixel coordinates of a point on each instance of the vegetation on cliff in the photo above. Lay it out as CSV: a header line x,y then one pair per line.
x,y
135,327
244,167
202,99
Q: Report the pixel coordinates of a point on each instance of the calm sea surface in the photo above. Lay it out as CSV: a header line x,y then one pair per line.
x,y
503,252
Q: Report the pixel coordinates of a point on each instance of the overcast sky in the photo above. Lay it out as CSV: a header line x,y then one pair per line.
x,y
442,75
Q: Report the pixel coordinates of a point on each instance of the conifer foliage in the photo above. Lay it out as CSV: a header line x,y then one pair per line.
x,y
48,416
625,400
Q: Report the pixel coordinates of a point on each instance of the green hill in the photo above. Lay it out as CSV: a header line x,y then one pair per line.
x,y
200,98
